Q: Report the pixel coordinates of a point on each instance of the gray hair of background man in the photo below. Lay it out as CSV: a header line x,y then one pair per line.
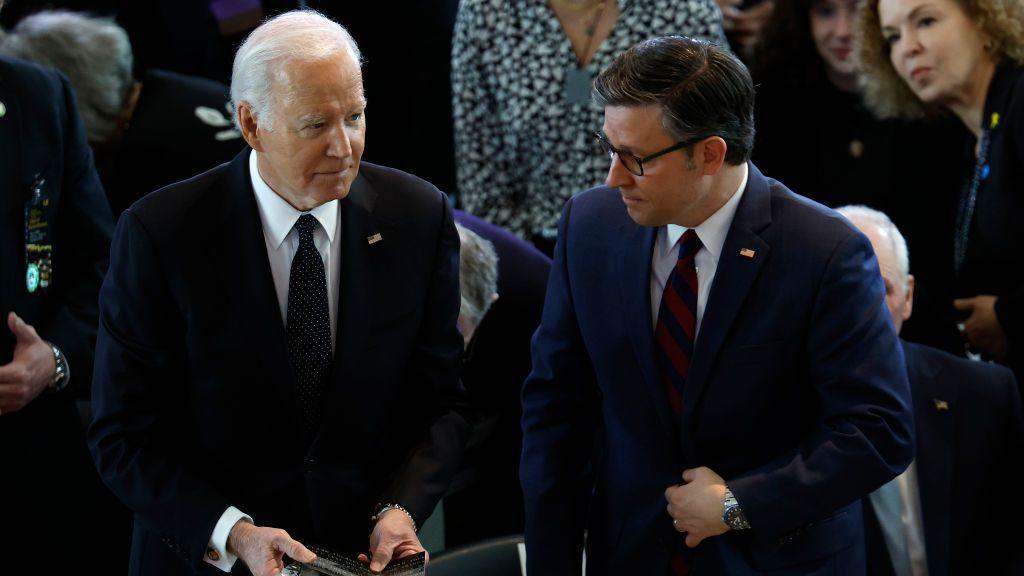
x,y
703,90
94,53
302,35
879,219
478,275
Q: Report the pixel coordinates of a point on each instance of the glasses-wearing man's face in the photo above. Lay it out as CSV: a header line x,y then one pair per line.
x,y
669,190
313,152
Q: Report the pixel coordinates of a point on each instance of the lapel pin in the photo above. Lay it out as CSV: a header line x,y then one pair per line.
x,y
941,405
374,239
3,110
747,253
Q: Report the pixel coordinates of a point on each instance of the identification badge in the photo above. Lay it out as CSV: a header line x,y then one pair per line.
x,y
38,238
577,85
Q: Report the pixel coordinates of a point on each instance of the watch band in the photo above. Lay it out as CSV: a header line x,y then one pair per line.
x,y
60,372
732,514
382,508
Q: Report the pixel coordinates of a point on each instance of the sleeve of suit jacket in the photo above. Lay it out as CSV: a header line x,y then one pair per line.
x,y
433,370
864,432
560,413
82,228
138,373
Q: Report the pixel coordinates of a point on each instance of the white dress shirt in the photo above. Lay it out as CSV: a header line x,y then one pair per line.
x,y
897,505
282,240
712,233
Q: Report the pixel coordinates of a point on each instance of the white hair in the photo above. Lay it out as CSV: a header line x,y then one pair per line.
x,y
885,225
478,275
302,35
94,53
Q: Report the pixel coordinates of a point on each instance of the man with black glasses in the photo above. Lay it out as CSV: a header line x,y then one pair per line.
x,y
723,340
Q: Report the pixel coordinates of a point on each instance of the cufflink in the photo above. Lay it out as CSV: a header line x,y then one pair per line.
x,y
213,555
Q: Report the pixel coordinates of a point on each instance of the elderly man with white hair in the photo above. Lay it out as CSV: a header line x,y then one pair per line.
x,y
955,509
278,355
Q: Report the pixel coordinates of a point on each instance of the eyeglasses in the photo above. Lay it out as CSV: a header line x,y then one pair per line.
x,y
634,163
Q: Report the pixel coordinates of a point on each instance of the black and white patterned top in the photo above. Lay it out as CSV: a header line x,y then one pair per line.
x,y
522,148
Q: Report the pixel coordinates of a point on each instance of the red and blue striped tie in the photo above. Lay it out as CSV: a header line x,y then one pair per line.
x,y
675,332
674,336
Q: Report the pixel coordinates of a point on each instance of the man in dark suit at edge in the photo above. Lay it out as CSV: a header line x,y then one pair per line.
x,y
278,353
55,228
954,510
725,339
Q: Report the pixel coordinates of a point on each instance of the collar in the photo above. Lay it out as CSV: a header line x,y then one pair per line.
x,y
279,216
712,232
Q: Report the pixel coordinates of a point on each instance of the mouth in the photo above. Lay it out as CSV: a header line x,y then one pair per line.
x,y
332,173
842,53
918,74
631,200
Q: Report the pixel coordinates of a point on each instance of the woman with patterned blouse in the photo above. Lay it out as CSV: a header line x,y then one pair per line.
x,y
524,122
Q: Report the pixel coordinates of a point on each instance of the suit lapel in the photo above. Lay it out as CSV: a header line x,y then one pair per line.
x,y
248,273
634,272
733,279
935,454
360,260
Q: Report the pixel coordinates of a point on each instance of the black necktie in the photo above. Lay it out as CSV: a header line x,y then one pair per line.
x,y
309,326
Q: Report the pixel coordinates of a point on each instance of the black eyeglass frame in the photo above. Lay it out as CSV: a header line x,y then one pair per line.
x,y
609,149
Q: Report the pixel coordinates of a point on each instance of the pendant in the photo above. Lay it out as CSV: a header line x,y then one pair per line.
x,y
856,148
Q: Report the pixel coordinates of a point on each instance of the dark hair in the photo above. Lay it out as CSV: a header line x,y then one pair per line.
x,y
785,48
703,90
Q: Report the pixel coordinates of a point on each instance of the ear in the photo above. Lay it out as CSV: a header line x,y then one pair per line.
x,y
249,125
909,298
711,155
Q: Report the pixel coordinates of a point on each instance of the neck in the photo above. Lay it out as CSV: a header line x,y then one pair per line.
x,y
724,185
300,203
970,107
843,82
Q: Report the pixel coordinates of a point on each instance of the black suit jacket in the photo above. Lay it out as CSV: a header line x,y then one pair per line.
x,y
969,467
193,409
42,447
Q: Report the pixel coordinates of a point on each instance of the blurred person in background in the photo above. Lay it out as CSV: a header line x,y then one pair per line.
x,y
521,76
815,134
964,58
147,132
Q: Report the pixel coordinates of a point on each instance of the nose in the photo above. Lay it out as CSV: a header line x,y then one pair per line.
x,y
340,143
844,24
618,176
909,43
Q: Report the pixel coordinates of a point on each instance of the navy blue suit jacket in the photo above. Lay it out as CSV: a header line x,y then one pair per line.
x,y
193,404
797,394
970,442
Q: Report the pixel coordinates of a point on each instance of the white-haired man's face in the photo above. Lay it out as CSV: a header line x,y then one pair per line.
x,y
899,295
312,155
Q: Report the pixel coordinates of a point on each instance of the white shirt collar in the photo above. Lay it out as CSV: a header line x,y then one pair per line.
x,y
279,216
712,232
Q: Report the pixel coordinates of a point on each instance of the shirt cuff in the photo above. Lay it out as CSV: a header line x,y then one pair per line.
x,y
217,549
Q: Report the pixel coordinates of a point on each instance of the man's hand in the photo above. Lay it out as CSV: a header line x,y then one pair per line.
x,y
981,328
392,537
30,370
263,549
696,507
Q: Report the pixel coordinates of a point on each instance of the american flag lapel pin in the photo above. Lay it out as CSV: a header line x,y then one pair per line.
x,y
747,253
374,238
941,405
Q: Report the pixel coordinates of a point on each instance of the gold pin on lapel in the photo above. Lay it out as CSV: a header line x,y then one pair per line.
x,y
374,239
940,405
747,253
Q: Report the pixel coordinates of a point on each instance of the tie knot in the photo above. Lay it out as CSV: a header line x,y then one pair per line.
x,y
689,244
305,225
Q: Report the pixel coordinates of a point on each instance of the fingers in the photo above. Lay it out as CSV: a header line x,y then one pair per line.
x,y
22,331
293,548
689,475
381,556
964,304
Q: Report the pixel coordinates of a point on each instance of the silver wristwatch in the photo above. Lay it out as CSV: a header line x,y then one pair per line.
x,y
60,372
732,514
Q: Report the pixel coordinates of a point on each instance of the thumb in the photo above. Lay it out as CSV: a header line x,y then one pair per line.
x,y
22,331
964,304
689,475
382,555
692,541
295,550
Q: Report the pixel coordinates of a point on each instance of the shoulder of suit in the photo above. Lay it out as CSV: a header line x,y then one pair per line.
x,y
173,206
972,377
31,78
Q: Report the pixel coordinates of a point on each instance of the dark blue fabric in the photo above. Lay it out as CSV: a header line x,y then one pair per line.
x,y
797,394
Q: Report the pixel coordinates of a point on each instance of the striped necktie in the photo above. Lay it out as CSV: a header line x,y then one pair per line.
x,y
675,332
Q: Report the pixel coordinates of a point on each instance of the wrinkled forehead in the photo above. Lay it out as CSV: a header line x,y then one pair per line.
x,y
338,76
